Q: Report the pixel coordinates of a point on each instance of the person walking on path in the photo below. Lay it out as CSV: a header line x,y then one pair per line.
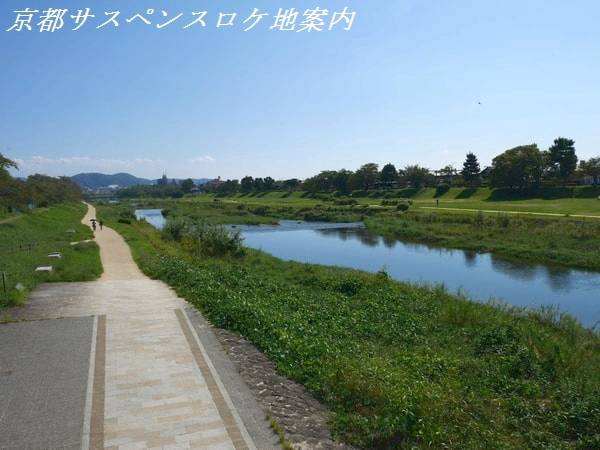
x,y
101,224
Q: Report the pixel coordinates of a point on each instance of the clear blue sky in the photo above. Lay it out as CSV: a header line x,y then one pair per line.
x,y
404,85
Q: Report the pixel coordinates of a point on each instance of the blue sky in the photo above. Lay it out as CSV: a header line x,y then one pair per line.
x,y
404,85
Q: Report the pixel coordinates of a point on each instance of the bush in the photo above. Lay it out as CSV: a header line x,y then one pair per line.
x,y
260,210
203,239
215,240
403,207
125,221
175,229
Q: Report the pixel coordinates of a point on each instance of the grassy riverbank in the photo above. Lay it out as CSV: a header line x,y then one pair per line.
x,y
26,241
563,240
567,242
398,365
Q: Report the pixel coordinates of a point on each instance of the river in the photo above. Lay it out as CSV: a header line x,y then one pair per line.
x,y
479,276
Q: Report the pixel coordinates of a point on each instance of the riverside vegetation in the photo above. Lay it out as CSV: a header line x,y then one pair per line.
x,y
399,366
399,214
26,242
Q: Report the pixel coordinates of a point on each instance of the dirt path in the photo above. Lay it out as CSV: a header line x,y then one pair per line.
x,y
151,383
528,213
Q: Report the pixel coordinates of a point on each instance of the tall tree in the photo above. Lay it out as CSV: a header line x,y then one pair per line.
x,y
471,169
341,179
259,184
520,167
388,174
562,157
365,177
269,184
247,184
416,175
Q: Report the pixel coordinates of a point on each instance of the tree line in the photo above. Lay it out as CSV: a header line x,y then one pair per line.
x,y
522,167
35,191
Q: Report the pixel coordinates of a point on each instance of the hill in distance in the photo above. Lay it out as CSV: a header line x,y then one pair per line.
x,y
123,180
98,180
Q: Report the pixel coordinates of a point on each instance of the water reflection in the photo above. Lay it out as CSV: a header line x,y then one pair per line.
x,y
479,276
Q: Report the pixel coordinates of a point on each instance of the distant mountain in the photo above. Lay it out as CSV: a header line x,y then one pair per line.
x,y
98,180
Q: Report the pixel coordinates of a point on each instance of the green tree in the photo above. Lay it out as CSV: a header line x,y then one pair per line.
x,y
562,158
247,184
291,184
520,167
6,164
269,184
471,169
388,174
259,184
591,168
187,185
340,180
416,175
365,177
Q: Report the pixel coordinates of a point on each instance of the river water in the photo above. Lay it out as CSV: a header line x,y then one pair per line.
x,y
481,277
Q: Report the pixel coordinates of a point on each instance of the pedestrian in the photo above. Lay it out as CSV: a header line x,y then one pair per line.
x,y
100,223
437,202
94,225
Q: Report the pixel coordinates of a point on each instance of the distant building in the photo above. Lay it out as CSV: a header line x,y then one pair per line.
x,y
163,181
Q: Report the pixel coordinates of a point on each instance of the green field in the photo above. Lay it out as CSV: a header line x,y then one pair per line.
x,y
399,366
26,242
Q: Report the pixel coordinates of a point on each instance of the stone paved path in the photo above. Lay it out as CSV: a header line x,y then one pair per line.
x,y
152,385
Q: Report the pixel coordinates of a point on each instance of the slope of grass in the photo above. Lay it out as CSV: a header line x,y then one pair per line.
x,y
400,366
26,242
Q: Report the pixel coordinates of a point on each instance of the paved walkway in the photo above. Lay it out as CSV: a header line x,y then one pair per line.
x,y
151,384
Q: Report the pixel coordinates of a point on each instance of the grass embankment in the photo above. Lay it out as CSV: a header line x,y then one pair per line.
x,y
566,241
26,241
565,201
398,365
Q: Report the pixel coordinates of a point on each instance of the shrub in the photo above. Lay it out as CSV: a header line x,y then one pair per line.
x,y
175,229
403,207
260,210
215,240
204,239
125,221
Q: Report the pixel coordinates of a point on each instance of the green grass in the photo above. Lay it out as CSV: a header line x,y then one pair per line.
x,y
566,242
26,242
579,200
400,366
